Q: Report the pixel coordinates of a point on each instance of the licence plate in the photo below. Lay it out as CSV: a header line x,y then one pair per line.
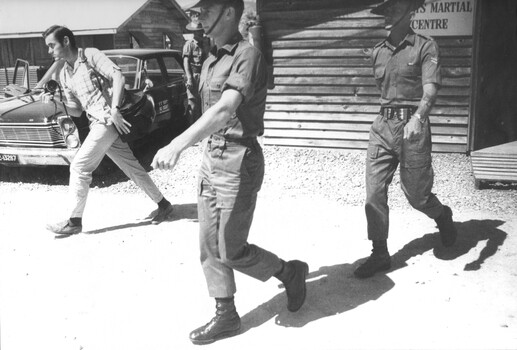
x,y
8,158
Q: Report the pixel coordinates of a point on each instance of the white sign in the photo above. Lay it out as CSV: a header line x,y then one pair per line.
x,y
444,18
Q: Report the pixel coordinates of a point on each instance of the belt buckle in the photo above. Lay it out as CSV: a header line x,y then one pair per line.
x,y
406,113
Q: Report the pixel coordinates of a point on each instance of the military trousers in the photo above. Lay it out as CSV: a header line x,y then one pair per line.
x,y
194,99
230,177
386,150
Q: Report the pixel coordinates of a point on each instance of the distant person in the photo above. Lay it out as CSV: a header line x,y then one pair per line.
x,y
84,91
233,91
195,52
406,67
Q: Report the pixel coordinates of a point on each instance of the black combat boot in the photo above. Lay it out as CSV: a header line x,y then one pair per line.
x,y
448,232
293,275
226,323
380,260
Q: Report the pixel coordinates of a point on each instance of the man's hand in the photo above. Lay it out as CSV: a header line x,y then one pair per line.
x,y
120,123
413,129
189,84
167,157
47,97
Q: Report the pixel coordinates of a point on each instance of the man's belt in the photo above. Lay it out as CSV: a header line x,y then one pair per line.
x,y
221,140
403,113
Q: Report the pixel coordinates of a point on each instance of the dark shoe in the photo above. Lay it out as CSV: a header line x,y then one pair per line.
x,y
225,324
293,278
64,228
162,214
375,263
448,232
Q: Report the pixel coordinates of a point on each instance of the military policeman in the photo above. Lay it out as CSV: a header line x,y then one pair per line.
x,y
195,52
406,67
233,89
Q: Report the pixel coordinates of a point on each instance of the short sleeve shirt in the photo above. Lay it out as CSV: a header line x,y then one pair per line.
x,y
400,72
196,53
88,84
239,66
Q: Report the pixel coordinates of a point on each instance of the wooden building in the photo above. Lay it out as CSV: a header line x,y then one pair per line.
x,y
323,93
494,93
101,24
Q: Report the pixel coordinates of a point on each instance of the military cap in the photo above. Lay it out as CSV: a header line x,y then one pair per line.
x,y
194,24
379,10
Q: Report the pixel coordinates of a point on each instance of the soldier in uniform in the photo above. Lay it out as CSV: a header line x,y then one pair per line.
x,y
406,67
233,88
195,52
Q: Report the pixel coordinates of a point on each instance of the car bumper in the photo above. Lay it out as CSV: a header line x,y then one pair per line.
x,y
17,156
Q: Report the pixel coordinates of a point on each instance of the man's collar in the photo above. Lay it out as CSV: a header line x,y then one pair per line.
x,y
73,65
229,46
409,38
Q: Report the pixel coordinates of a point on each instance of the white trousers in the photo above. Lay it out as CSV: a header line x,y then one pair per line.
x,y
104,140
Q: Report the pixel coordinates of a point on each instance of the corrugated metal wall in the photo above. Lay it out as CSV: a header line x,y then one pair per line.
x,y
324,92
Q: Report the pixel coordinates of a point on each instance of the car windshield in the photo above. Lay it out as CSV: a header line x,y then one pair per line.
x,y
129,66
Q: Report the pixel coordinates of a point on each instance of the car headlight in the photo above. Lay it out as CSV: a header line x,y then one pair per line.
x,y
72,141
67,125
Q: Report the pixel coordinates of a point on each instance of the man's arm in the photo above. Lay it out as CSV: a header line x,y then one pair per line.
x,y
188,73
428,100
413,129
213,120
186,64
118,82
105,67
73,105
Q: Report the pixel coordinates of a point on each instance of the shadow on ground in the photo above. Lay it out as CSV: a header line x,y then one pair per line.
x,y
181,212
470,233
333,290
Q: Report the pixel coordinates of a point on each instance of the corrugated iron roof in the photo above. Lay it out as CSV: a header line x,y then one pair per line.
x,y
29,18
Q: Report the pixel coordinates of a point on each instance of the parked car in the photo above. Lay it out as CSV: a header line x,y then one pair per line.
x,y
33,133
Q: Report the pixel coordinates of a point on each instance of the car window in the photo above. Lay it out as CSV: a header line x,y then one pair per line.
x,y
128,66
174,68
151,70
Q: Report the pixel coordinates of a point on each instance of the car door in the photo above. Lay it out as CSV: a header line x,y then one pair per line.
x,y
173,69
154,83
20,84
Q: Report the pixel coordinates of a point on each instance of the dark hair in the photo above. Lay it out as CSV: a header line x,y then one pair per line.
x,y
239,8
60,32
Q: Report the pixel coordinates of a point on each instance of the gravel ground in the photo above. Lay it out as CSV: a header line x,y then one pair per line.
x,y
337,175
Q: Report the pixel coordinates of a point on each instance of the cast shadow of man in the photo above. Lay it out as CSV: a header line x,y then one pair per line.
x,y
470,234
181,212
333,290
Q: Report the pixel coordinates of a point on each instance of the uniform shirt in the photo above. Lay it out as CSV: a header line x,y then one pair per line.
x,y
88,84
400,72
196,53
239,66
